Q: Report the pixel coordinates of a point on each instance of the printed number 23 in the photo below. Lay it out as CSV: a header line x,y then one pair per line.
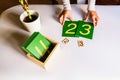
x,y
69,31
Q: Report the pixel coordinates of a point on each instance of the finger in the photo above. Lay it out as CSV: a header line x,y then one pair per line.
x,y
97,19
95,23
86,18
64,17
70,18
94,20
60,19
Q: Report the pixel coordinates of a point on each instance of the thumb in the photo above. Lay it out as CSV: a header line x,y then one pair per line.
x,y
86,18
70,18
64,17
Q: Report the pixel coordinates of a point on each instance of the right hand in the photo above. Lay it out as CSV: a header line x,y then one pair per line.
x,y
93,16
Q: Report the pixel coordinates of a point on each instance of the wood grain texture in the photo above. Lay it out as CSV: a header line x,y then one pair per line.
x,y
108,2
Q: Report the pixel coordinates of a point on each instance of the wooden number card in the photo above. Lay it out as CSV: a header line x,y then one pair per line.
x,y
36,45
78,29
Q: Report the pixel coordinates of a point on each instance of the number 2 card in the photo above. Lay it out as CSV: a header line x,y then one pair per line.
x,y
69,28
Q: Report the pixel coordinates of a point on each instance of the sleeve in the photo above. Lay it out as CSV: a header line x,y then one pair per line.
x,y
66,4
91,5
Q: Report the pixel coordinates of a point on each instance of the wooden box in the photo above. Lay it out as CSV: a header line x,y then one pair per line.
x,y
30,45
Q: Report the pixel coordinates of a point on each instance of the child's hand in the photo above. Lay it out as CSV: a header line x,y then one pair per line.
x,y
92,15
65,14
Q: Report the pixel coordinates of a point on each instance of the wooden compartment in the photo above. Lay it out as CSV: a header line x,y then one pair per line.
x,y
43,61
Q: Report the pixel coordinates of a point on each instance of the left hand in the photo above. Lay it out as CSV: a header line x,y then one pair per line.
x,y
65,14
92,15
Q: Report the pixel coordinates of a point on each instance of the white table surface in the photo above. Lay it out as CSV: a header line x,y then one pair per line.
x,y
99,59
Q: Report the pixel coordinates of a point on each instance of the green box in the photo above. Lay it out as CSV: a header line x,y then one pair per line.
x,y
85,29
36,45
69,28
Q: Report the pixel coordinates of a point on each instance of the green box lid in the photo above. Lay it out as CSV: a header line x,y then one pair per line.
x,y
36,45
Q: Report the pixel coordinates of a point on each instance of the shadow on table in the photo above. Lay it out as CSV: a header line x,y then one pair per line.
x,y
57,10
13,18
14,39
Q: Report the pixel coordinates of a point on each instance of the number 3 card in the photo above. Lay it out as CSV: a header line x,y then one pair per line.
x,y
85,29
78,29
